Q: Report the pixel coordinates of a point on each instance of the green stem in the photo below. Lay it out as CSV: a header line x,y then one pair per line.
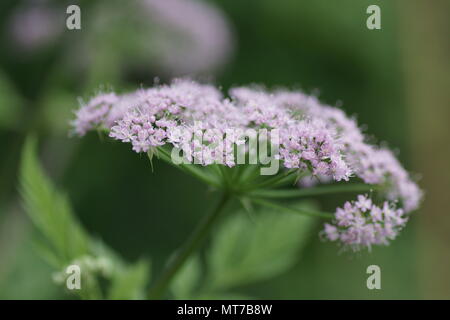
x,y
316,191
190,246
276,180
188,168
249,173
225,175
306,212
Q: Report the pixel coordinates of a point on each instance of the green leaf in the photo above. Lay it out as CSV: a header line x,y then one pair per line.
x,y
244,252
184,284
129,282
66,242
50,211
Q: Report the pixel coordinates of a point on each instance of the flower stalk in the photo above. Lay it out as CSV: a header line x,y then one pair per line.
x,y
274,205
313,191
191,245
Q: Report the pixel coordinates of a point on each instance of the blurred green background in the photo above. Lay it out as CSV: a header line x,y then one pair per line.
x,y
395,80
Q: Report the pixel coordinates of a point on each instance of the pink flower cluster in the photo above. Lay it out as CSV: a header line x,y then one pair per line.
x,y
96,112
310,145
362,224
372,164
313,138
154,116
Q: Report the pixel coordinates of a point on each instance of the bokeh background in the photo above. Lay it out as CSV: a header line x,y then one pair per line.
x,y
396,80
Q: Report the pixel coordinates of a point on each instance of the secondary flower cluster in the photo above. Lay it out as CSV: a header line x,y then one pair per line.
x,y
315,138
361,223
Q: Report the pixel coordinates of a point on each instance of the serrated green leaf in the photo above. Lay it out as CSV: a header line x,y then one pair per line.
x,y
65,241
49,209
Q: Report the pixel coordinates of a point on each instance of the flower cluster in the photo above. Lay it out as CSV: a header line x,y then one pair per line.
x,y
318,140
361,223
95,112
151,118
372,164
175,115
310,145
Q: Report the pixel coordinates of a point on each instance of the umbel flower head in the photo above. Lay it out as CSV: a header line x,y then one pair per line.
x,y
317,140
